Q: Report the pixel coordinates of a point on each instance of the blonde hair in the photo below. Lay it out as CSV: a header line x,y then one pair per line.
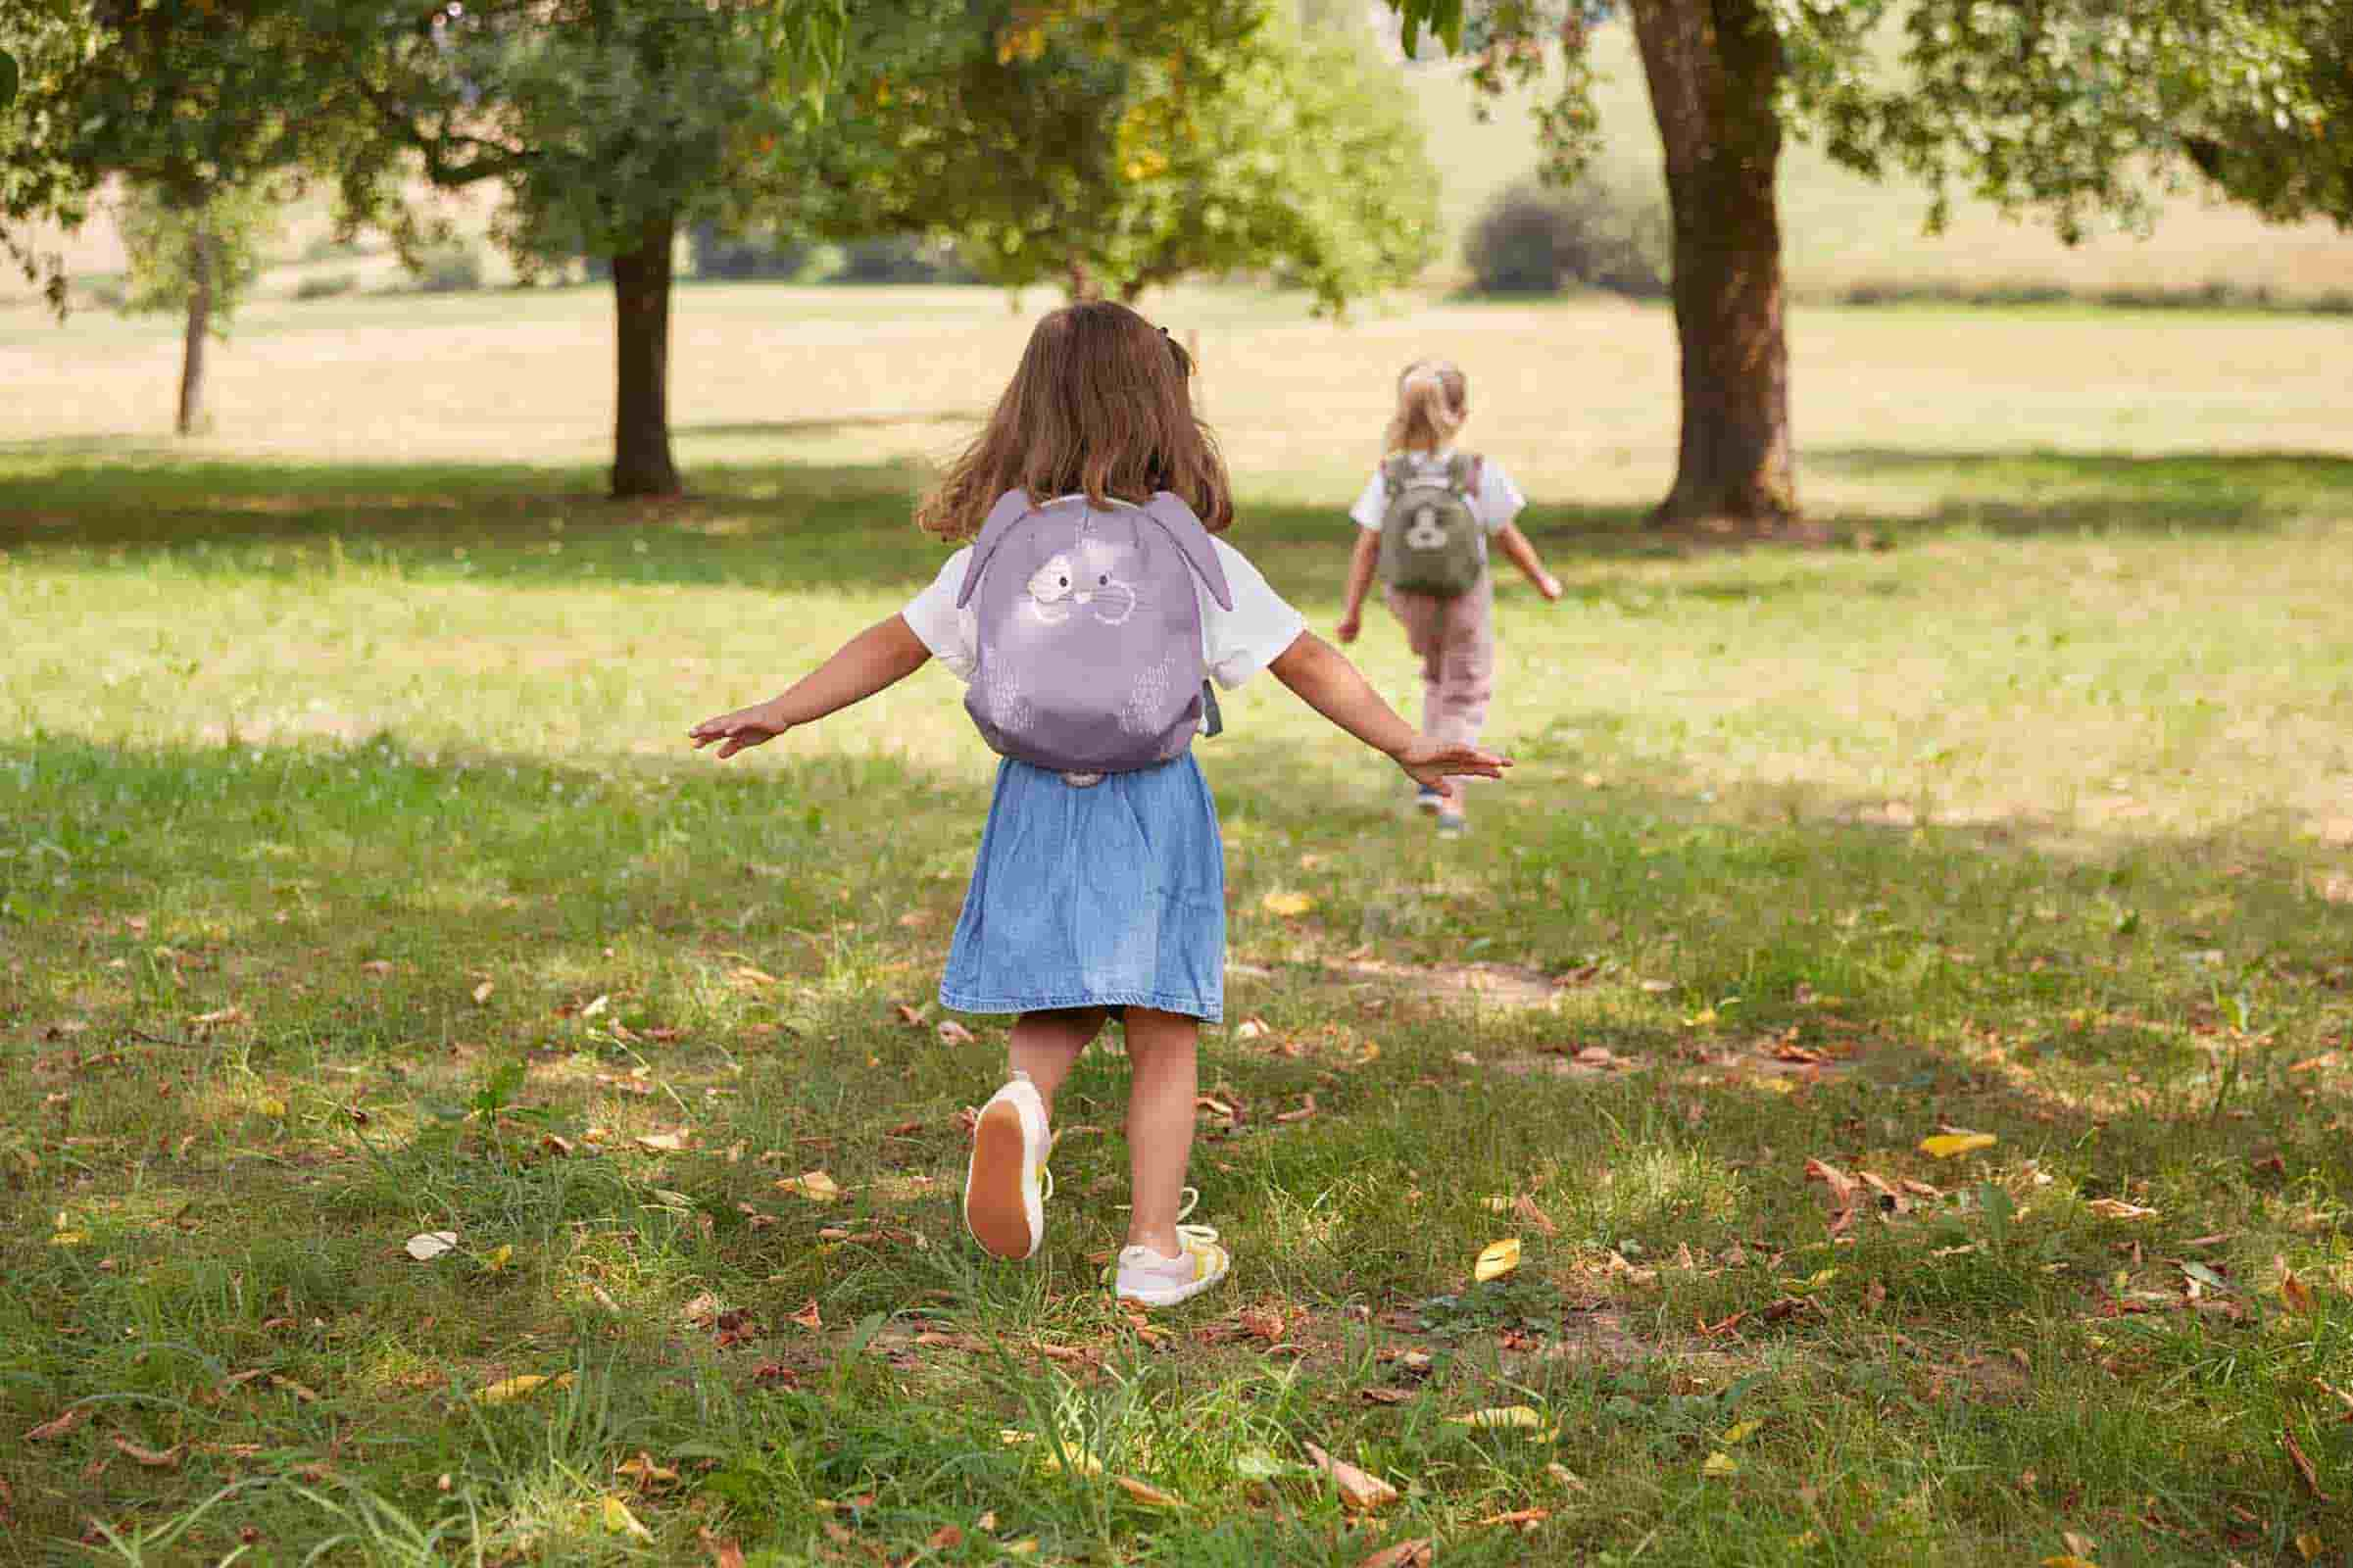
x,y
1101,404
1433,401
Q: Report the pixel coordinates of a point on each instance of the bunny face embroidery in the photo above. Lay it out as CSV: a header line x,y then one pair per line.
x,y
1082,579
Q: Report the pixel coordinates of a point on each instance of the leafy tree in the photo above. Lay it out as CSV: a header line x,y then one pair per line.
x,y
610,123
1112,147
2065,107
197,262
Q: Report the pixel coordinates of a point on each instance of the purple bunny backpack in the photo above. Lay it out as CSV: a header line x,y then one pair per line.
x,y
1090,631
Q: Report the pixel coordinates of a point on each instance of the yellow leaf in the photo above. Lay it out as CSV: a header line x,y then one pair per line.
x,y
621,1522
1496,1259
515,1388
1720,1464
1944,1146
813,1185
2068,1559
499,1259
1497,1206
68,1239
271,1106
1520,1417
1287,905
1027,1546
1740,1433
2310,1546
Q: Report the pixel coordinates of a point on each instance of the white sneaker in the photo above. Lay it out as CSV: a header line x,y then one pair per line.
x,y
1146,1277
1007,1185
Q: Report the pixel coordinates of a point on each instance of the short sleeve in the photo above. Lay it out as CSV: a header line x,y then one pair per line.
x,y
1239,642
953,635
1499,500
1371,504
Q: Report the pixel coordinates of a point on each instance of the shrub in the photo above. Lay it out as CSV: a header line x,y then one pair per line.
x,y
900,260
1594,233
326,286
746,257
452,266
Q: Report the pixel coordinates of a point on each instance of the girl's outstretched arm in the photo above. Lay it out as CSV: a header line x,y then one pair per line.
x,y
887,651
1327,682
1360,578
1523,556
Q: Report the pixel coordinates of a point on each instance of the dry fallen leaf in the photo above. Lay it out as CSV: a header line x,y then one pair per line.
x,y
808,1316
663,1143
74,1416
514,1387
483,991
945,1539
723,1550
2293,1290
1537,1220
2296,1455
1496,1259
1519,1518
1287,905
954,1033
426,1246
2309,1545
1944,1146
2117,1208
1720,1464
168,1460
2080,1545
1841,1186
1358,1491
2068,1559
813,1185
1405,1555
1145,1492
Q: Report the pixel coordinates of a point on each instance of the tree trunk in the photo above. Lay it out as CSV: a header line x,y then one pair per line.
x,y
1713,67
199,327
641,421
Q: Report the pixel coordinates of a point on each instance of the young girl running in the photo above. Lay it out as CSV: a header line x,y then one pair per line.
x,y
1424,521
1083,619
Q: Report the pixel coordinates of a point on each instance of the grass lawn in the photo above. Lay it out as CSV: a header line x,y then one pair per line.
x,y
355,885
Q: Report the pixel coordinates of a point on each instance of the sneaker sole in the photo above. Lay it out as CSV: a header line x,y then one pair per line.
x,y
993,1204
1172,1295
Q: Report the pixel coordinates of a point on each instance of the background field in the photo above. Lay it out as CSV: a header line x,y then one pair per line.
x,y
355,884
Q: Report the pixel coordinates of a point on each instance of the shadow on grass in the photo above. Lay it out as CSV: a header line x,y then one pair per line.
x,y
784,526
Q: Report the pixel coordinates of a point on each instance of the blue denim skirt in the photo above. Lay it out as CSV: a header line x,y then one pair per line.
x,y
1111,895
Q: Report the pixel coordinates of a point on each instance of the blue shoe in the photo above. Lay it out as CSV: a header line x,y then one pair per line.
x,y
1427,799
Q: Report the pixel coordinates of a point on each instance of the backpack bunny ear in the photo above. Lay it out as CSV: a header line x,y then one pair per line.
x,y
1011,508
1192,540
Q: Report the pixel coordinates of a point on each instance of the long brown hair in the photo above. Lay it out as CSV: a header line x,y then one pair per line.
x,y
1433,401
1101,404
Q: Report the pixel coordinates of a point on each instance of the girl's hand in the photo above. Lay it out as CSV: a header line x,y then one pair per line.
x,y
1549,586
740,730
1433,763
1350,625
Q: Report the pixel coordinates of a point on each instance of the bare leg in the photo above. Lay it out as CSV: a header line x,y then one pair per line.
x,y
1047,1046
1162,1078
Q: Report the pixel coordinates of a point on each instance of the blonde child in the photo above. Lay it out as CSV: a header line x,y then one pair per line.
x,y
1421,484
1082,620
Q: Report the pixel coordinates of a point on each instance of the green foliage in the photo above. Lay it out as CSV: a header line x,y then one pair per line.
x,y
1113,148
172,248
2064,107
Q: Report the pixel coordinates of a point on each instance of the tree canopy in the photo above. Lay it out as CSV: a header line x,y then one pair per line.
x,y
1112,147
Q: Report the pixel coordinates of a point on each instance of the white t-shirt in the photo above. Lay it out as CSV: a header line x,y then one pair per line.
x,y
1236,643
1497,502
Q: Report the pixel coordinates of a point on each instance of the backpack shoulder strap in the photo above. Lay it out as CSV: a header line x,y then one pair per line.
x,y
1463,471
1397,471
1011,508
1192,540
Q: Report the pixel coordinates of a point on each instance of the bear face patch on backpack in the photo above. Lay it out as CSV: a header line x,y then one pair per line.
x,y
1089,631
1430,531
